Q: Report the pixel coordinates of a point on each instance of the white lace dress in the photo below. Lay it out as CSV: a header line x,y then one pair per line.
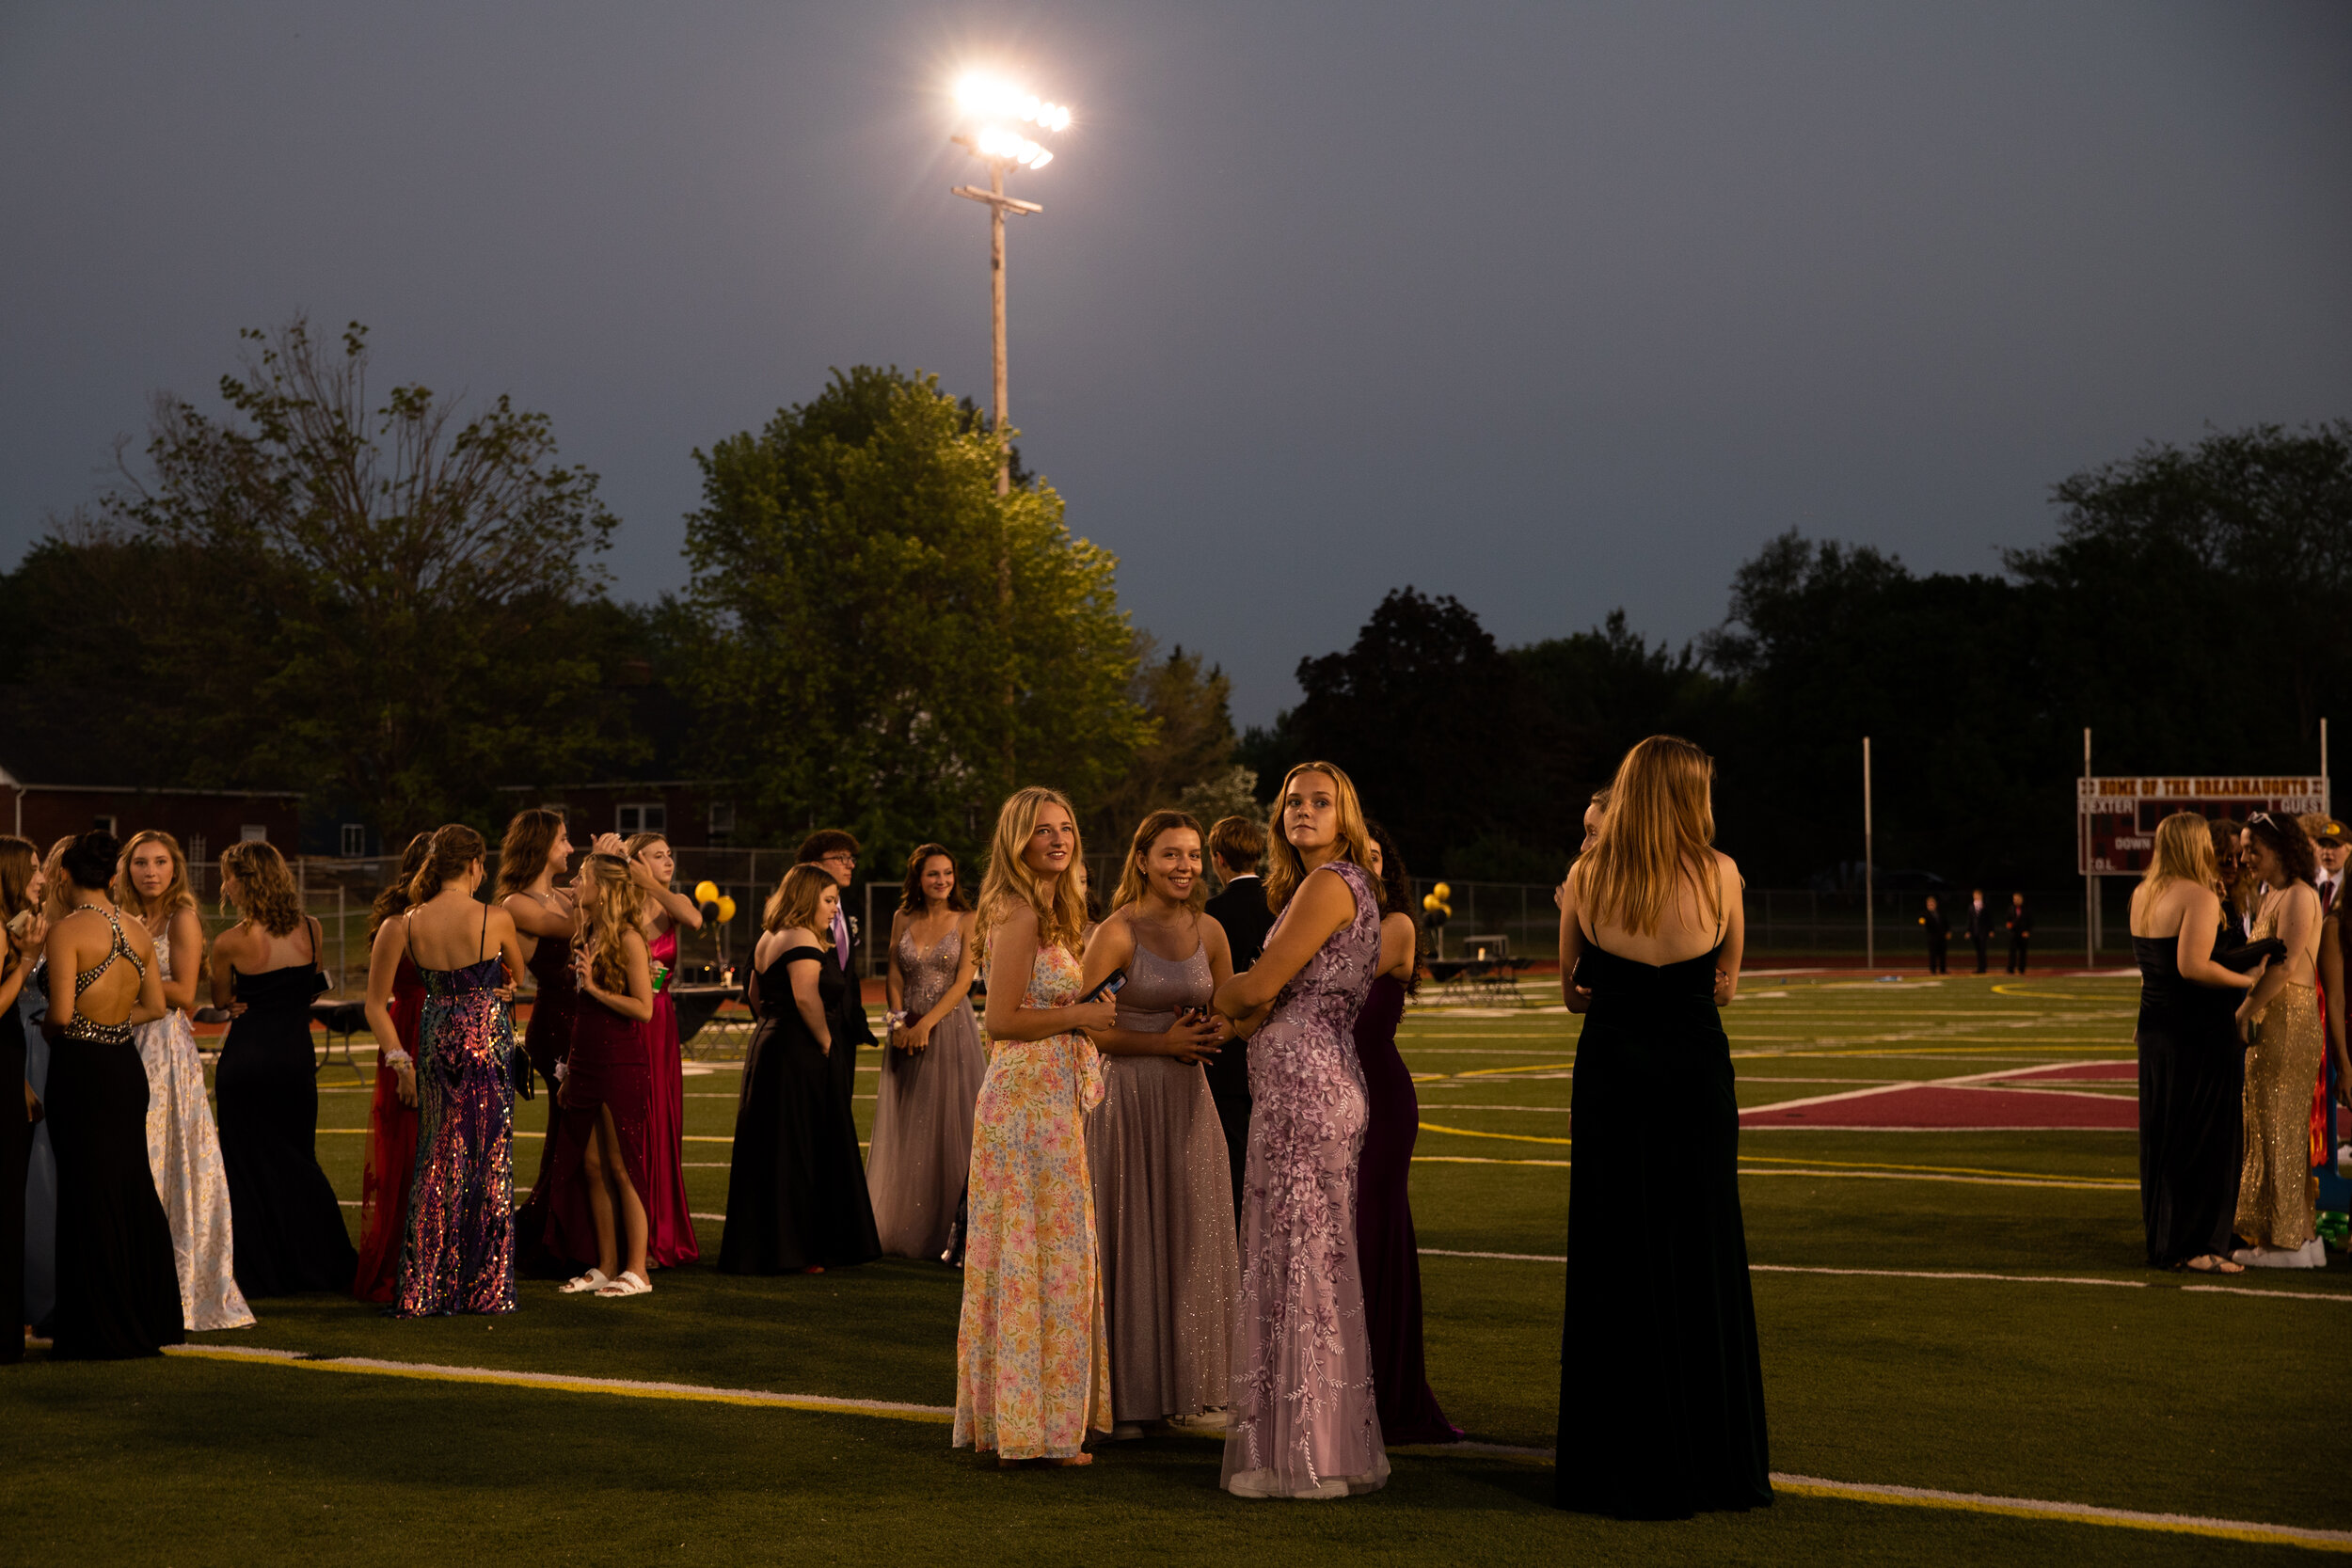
x,y
183,1151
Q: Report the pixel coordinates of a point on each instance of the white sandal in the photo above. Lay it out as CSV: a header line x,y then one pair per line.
x,y
631,1283
594,1279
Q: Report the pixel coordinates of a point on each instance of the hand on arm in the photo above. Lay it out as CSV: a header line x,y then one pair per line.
x,y
1011,958
1321,905
391,945
1571,946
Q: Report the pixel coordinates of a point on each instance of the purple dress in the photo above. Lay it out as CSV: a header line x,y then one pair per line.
x,y
460,1251
1303,1420
1388,1254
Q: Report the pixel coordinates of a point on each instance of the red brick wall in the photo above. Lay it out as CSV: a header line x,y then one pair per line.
x,y
49,814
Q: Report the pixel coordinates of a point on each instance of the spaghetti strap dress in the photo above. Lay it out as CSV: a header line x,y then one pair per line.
x,y
605,1068
117,1285
289,1230
459,1256
670,1238
2192,1071
1661,1390
923,1106
391,1166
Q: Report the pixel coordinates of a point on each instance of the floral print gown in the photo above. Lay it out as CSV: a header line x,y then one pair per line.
x,y
1032,1362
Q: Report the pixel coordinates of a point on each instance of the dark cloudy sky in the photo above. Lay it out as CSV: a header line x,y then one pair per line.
x,y
1554,307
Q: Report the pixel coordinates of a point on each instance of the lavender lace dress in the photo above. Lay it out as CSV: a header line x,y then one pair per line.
x,y
1303,1423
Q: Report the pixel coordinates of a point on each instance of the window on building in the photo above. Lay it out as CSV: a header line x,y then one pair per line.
x,y
722,819
644,817
354,840
105,822
253,833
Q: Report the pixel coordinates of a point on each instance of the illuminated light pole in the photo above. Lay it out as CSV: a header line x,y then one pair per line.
x,y
987,106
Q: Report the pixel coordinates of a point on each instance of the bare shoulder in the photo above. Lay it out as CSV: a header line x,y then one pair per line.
x,y
1017,924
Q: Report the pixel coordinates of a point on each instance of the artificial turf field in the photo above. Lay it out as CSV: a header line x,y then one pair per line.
x,y
1954,1310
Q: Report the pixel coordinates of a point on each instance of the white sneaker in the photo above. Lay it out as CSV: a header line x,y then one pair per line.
x,y
2279,1257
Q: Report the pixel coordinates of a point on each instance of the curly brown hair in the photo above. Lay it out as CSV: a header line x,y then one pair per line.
x,y
265,894
911,898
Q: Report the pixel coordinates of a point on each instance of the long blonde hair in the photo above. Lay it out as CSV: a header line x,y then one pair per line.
x,y
1285,868
176,895
615,905
1658,828
799,892
1062,915
1134,878
2184,853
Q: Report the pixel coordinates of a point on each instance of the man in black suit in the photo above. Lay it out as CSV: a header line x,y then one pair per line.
x,y
1980,928
1939,935
2020,929
835,853
1236,846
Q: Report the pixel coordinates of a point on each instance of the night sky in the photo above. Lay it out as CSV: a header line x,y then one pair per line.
x,y
1554,307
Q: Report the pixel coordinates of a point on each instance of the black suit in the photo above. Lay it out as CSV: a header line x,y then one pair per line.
x,y
2020,928
849,1028
1981,932
1939,936
1241,910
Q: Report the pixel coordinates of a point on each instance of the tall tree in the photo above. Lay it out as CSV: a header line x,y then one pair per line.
x,y
854,662
392,589
1188,740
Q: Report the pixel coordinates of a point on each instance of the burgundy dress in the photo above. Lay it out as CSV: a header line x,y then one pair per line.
x,y
391,1151
1386,1250
670,1228
607,1067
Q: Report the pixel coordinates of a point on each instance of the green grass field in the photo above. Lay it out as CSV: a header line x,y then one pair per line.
x,y
2071,1376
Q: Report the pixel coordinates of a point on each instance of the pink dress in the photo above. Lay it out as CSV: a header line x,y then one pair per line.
x,y
669,1230
1032,1364
1303,1421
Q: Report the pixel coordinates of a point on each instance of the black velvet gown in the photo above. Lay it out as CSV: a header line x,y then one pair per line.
x,y
796,1188
289,1230
2192,1077
1662,1391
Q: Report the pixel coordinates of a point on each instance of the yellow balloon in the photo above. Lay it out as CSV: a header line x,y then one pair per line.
x,y
1443,892
726,909
1429,901
706,892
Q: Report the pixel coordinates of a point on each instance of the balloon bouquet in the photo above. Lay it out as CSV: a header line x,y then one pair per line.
x,y
1437,908
718,907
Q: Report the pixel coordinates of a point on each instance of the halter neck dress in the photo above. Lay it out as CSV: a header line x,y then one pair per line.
x,y
118,1287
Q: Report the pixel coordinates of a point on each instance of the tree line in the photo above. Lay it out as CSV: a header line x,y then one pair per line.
x,y
399,608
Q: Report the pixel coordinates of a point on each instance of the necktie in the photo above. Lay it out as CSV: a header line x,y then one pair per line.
x,y
841,938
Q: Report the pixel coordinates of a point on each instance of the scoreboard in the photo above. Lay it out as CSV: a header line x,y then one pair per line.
x,y
2116,818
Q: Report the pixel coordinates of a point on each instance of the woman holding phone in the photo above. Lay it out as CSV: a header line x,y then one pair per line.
x,y
1163,1196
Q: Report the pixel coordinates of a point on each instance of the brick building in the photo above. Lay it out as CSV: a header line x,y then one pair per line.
x,y
201,819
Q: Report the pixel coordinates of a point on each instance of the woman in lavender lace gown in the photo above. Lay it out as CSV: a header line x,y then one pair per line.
x,y
1303,1421
931,1072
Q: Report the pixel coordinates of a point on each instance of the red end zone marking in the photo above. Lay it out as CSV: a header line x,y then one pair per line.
x,y
1968,1102
2127,1070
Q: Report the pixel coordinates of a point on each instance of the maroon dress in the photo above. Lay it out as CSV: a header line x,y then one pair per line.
x,y
1386,1249
608,1068
391,1158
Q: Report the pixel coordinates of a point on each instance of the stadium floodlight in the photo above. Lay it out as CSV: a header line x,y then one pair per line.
x,y
987,107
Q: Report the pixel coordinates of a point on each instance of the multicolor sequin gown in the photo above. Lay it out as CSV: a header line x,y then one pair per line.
x,y
183,1151
1032,1363
1304,1423
459,1256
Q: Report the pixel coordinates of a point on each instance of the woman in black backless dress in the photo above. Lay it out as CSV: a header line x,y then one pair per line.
x,y
796,1191
118,1284
290,1231
2192,1067
1661,1392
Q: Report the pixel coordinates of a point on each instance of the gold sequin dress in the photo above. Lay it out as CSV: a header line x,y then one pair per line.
x,y
2274,1188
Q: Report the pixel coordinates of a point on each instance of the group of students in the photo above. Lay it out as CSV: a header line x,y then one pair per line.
x,y
1175,1178
129,1215
1977,925
2242,1038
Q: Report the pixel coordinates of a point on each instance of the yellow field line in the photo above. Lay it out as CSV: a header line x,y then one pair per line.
x,y
1805,1487
2079,1513
1513,1137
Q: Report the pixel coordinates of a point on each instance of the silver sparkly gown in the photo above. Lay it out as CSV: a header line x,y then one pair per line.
x,y
1304,1423
183,1151
1163,1209
921,1153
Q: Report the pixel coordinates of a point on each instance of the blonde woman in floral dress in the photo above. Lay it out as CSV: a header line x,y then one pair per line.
x,y
1032,1363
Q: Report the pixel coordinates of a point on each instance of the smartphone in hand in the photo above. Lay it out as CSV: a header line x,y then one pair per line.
x,y
1112,984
